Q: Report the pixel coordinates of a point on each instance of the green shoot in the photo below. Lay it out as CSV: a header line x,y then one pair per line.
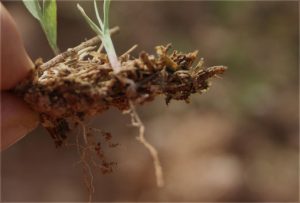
x,y
47,17
103,32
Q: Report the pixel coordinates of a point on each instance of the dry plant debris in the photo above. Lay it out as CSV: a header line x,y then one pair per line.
x,y
80,82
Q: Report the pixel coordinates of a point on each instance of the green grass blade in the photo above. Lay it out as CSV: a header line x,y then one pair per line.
x,y
108,44
97,14
106,5
89,21
49,23
43,6
103,32
34,8
46,15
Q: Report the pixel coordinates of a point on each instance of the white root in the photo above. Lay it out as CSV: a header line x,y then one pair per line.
x,y
136,122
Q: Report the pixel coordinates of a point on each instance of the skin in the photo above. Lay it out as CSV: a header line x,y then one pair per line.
x,y
17,119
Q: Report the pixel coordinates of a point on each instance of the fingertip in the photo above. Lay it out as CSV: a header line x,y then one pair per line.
x,y
17,119
15,63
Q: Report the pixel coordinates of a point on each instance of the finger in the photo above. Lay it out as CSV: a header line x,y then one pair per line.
x,y
16,119
15,63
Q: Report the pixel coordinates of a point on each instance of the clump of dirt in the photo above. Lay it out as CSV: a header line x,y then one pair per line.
x,y
81,82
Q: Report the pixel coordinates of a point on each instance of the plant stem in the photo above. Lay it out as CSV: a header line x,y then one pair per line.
x,y
61,57
111,53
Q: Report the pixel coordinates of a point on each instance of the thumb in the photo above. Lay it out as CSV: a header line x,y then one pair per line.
x,y
16,119
15,63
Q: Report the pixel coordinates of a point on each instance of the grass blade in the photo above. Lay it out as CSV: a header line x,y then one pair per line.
x,y
47,17
34,8
49,23
103,32
106,5
89,21
97,14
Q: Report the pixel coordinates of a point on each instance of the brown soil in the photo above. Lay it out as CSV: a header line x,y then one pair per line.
x,y
81,82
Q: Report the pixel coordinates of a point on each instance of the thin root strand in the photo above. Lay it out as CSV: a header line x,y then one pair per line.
x,y
136,122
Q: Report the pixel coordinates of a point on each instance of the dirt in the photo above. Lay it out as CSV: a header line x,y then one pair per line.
x,y
80,82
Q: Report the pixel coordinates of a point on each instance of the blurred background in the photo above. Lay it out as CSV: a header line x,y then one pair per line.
x,y
238,142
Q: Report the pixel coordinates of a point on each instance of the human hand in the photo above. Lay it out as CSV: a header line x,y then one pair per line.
x,y
17,119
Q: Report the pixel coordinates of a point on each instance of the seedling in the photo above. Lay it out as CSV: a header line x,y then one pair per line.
x,y
84,81
103,33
